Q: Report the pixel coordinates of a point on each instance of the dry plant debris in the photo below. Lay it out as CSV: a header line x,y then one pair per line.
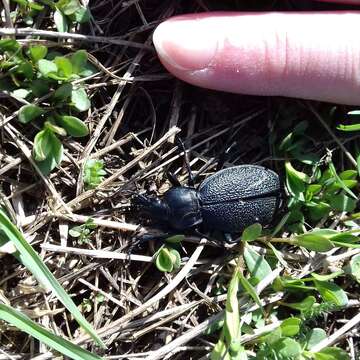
x,y
77,215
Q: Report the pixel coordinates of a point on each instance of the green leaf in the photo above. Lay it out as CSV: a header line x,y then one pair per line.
x,y
313,241
175,239
75,231
23,3
256,264
342,202
48,151
286,142
73,126
68,7
26,69
271,337
37,52
93,172
39,87
42,146
47,67
29,112
250,290
340,181
61,22
32,261
82,15
315,336
36,6
164,260
63,92
318,210
312,190
296,182
56,342
64,66
354,267
252,232
20,93
79,60
232,315
331,353
176,259
353,127
214,327
332,293
220,351
348,175
290,327
304,305
345,238
10,45
287,348
327,277
54,128
80,100
358,164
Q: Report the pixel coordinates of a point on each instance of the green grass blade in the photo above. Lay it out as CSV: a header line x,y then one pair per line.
x,y
27,255
58,343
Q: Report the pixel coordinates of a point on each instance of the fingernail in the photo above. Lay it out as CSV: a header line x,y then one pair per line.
x,y
185,44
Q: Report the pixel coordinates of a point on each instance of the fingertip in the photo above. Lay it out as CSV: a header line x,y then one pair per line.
x,y
184,44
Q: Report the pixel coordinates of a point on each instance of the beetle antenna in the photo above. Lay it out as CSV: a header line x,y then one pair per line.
x,y
181,145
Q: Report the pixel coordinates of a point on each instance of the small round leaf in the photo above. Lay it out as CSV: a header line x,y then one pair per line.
x,y
252,232
37,52
73,125
290,327
80,99
164,260
29,112
47,67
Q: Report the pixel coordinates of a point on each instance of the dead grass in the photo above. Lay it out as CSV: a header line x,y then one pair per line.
x,y
136,109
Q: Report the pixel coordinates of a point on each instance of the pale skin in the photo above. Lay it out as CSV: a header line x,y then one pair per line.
x,y
307,55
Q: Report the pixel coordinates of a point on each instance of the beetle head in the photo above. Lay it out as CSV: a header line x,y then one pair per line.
x,y
153,207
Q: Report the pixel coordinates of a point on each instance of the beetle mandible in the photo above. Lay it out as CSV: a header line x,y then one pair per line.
x,y
228,201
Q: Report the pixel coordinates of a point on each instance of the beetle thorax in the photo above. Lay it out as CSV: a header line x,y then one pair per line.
x,y
184,208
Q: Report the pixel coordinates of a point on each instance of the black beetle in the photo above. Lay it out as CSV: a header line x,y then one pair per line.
x,y
228,201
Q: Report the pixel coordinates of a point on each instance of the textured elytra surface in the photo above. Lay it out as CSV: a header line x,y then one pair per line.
x,y
229,200
234,216
238,182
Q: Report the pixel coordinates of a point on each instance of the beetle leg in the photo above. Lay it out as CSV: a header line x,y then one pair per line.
x,y
181,146
144,238
207,237
173,179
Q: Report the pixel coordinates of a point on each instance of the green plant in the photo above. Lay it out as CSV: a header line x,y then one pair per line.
x,y
317,191
28,10
293,338
82,232
66,13
32,261
93,173
167,258
63,346
45,81
69,12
